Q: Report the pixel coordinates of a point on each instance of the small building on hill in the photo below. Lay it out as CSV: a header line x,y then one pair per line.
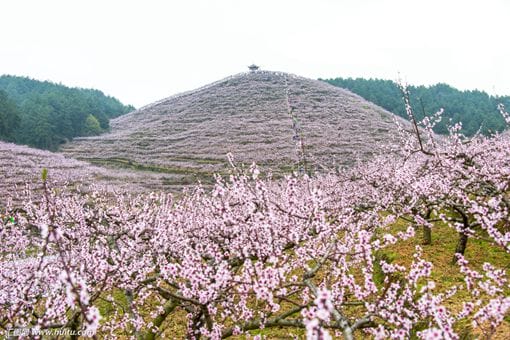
x,y
253,67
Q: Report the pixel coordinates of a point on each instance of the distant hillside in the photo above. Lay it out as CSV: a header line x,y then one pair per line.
x,y
475,109
21,166
43,114
9,118
259,117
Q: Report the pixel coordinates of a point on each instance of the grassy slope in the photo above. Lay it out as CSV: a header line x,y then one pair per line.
x,y
249,116
21,166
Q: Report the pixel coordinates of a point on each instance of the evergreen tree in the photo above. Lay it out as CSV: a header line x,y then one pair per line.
x,y
50,114
92,126
9,118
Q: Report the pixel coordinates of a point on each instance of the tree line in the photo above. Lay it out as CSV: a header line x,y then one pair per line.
x,y
44,115
476,110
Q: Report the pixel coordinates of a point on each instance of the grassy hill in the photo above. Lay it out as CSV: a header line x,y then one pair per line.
x,y
22,166
260,117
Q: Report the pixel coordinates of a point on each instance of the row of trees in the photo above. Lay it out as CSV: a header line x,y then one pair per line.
x,y
475,109
44,114
256,253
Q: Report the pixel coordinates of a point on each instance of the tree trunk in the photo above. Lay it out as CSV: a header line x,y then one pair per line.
x,y
427,235
461,246
427,231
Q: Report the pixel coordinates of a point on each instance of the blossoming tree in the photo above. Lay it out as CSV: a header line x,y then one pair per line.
x,y
300,253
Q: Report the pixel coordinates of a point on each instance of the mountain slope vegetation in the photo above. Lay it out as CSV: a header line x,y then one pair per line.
x,y
280,121
43,114
9,117
21,168
475,109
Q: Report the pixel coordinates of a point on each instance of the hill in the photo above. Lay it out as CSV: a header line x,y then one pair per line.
x,y
475,109
259,117
22,166
43,114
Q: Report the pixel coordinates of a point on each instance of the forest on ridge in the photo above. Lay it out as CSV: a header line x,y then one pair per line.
x,y
477,110
44,115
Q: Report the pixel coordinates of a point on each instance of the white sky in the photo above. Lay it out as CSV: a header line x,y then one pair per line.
x,y
143,51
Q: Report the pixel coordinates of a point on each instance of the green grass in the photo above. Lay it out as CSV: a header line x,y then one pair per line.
x,y
129,164
445,274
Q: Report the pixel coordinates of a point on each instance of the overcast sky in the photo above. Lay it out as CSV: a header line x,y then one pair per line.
x,y
143,51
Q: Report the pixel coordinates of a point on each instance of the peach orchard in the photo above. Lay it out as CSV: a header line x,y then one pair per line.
x,y
252,253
